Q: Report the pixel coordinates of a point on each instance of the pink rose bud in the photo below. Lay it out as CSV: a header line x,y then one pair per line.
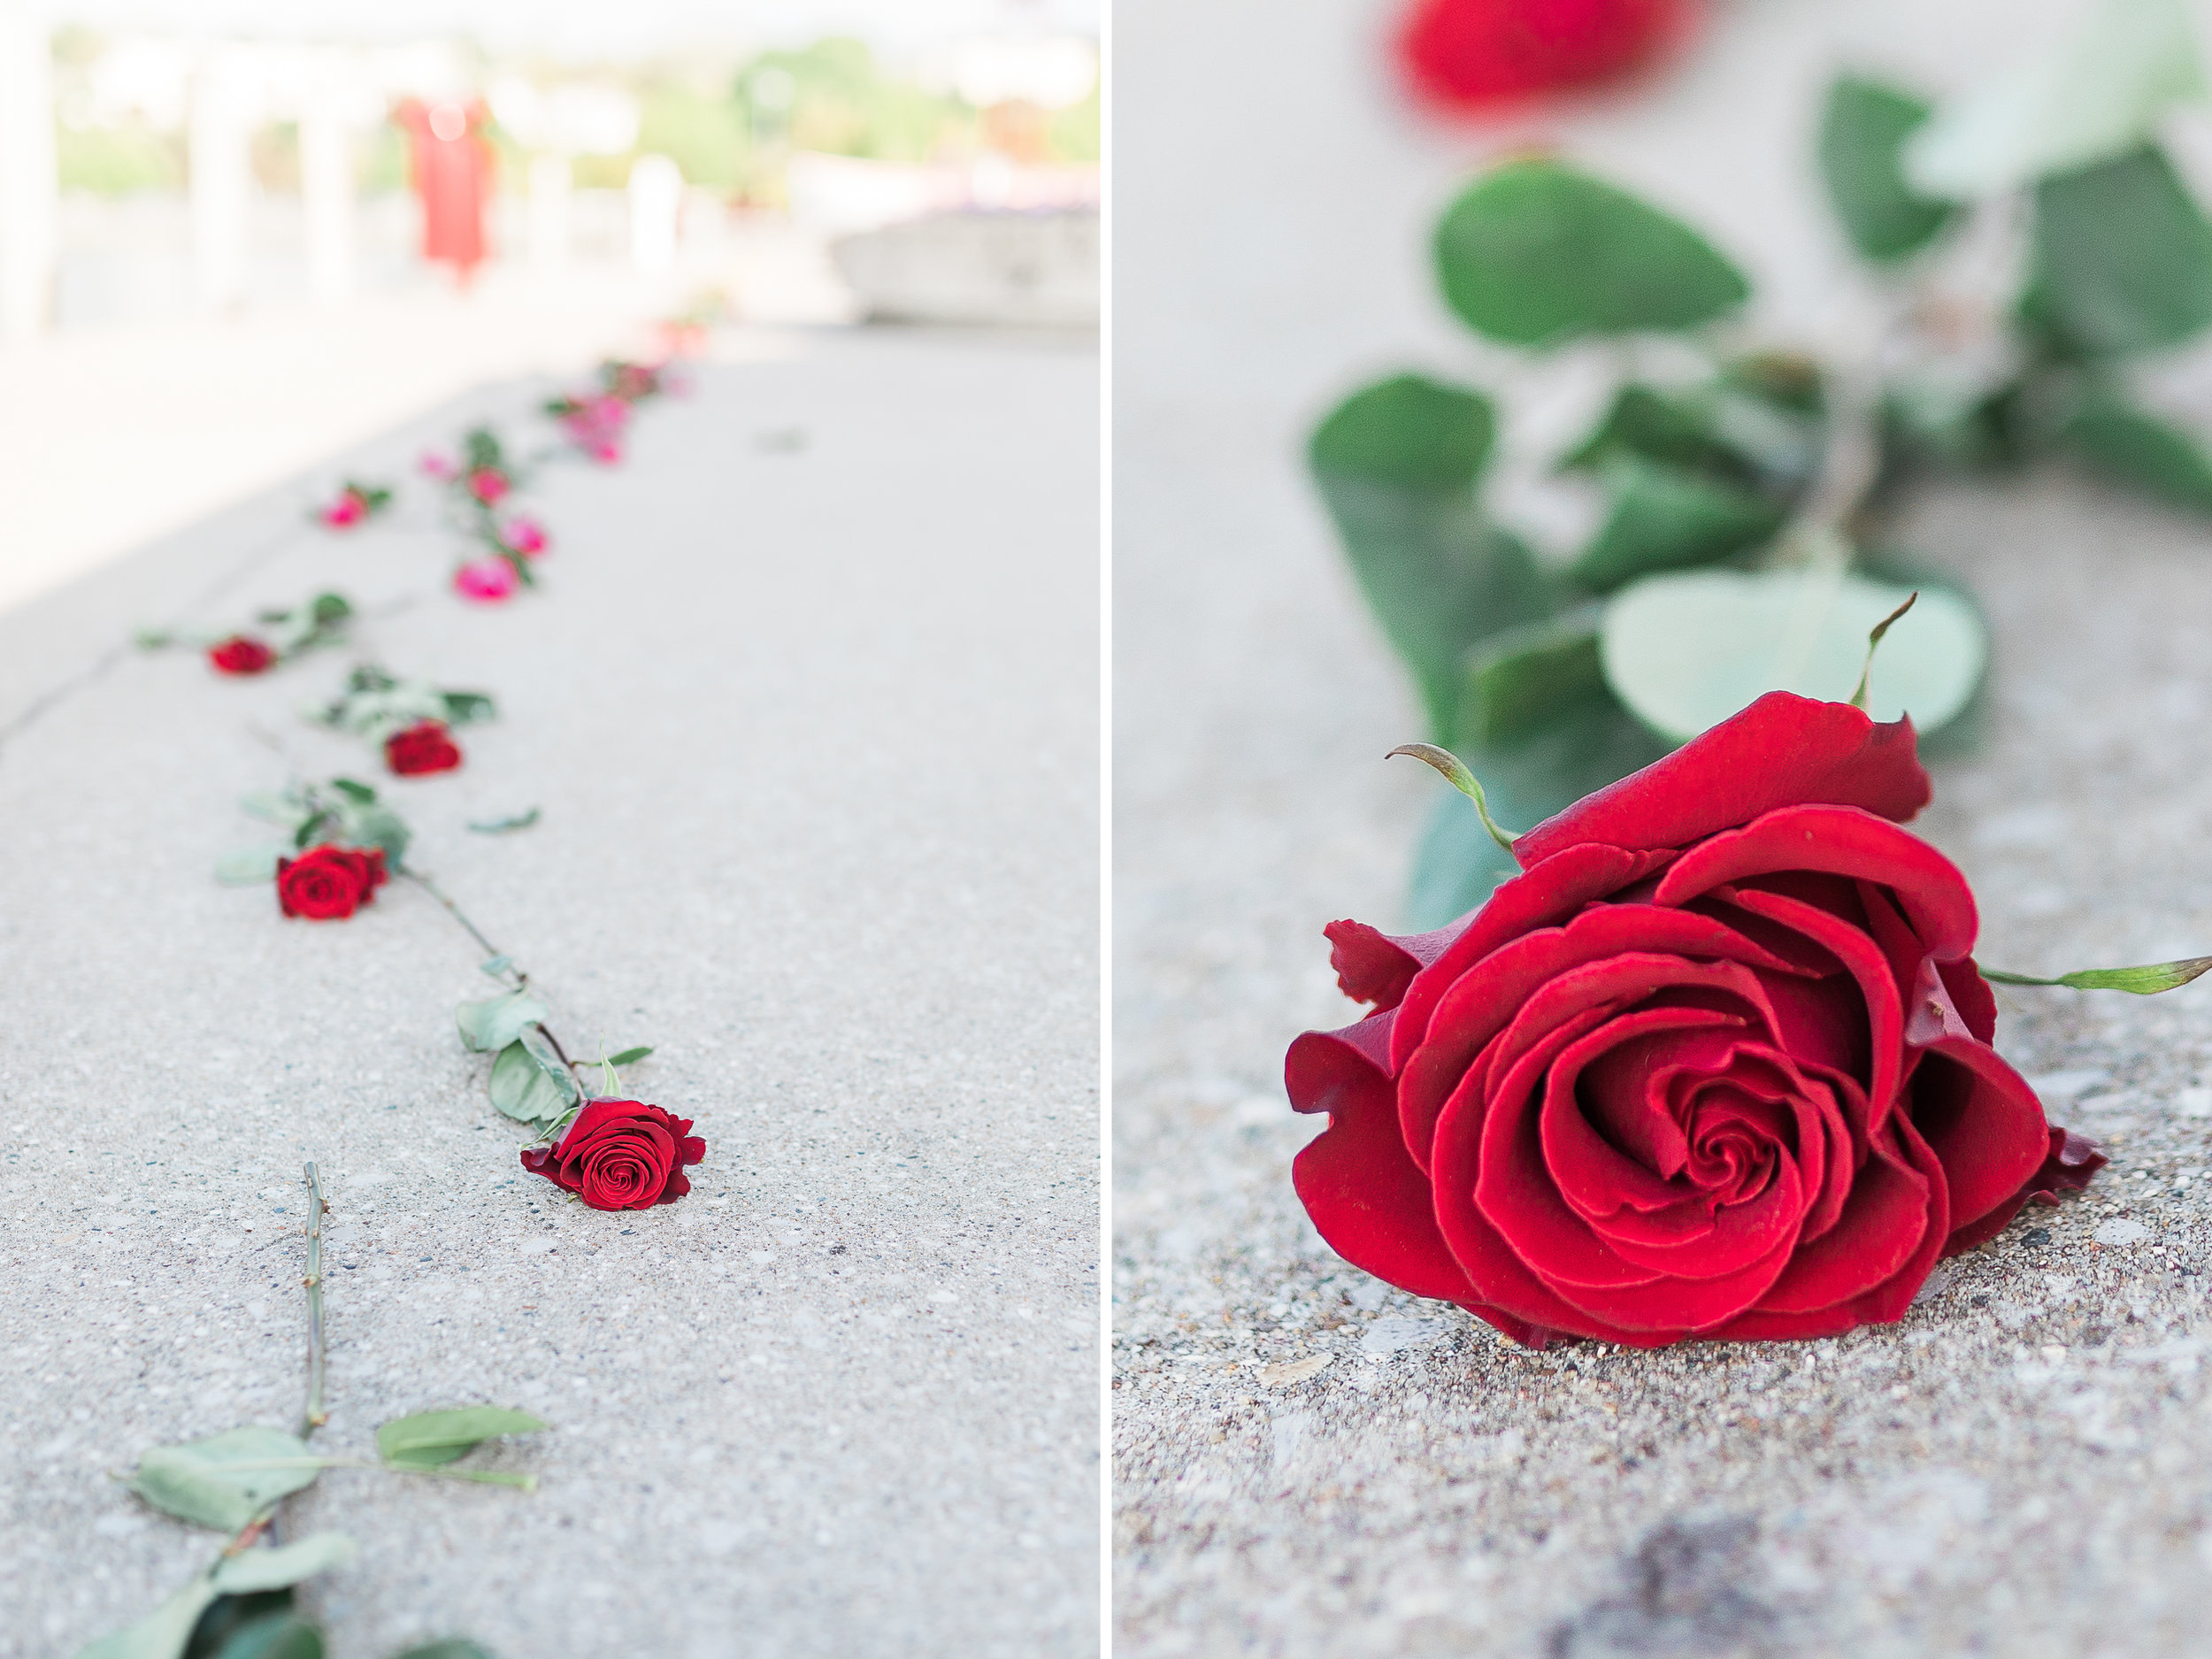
x,y
440,464
348,510
486,580
488,485
525,535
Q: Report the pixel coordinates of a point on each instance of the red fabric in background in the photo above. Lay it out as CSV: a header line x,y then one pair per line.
x,y
452,173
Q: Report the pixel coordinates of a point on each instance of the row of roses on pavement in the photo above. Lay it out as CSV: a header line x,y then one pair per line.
x,y
345,843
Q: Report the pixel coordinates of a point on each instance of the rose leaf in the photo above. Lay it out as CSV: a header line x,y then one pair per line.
x,y
521,1088
489,1025
1665,518
628,1056
2135,447
1538,254
1862,137
248,868
2123,258
430,1439
222,1480
163,1633
279,1569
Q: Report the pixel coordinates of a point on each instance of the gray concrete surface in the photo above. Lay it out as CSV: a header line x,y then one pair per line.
x,y
814,730
2024,1466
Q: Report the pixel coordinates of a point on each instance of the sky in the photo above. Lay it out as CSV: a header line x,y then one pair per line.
x,y
589,27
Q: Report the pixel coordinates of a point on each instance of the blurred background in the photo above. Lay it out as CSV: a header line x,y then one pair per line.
x,y
238,235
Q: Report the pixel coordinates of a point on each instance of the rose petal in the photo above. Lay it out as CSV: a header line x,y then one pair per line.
x,y
1783,750
1371,966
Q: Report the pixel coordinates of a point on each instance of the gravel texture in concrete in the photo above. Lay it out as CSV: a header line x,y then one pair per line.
x,y
809,705
1310,1465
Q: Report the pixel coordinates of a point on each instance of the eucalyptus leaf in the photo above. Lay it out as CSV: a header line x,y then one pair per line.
x,y
248,868
521,1088
489,1025
1665,518
2099,92
284,1566
1685,652
2122,259
221,1481
1537,254
428,1440
1863,135
2135,447
628,1056
1397,463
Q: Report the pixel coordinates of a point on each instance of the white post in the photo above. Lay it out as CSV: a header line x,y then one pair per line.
x,y
30,184
550,244
656,199
326,198
221,165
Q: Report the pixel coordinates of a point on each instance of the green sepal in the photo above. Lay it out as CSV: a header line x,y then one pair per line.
x,y
2144,981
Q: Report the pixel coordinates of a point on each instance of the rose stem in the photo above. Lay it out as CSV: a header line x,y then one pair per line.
x,y
316,1415
458,915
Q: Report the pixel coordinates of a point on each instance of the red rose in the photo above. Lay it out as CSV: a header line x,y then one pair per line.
x,y
620,1155
1715,1063
1474,53
327,883
238,655
425,746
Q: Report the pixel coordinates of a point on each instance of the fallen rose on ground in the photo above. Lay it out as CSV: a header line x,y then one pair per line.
x,y
1715,1063
486,580
620,1155
329,883
241,655
425,747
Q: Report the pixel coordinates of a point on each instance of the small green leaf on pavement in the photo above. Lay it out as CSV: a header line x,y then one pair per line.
x,y
429,1440
284,1566
1862,137
505,826
354,790
492,1024
452,1648
163,1633
279,1634
248,868
497,966
628,1056
222,1480
1538,254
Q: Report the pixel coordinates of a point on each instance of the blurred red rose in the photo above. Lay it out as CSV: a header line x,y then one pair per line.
x,y
620,1155
423,746
238,655
328,883
489,485
1484,54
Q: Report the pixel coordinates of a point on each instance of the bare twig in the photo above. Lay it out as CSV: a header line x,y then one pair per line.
x,y
315,1416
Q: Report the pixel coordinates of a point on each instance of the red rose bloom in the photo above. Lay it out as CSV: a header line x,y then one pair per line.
x,y
238,655
620,1155
424,747
1715,1063
488,485
327,883
1484,53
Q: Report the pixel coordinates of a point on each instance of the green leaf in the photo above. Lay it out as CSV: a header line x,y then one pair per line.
x,y
1538,254
2135,447
1665,518
2122,256
1685,652
222,1480
326,609
465,708
308,829
522,1089
280,1568
2144,981
1397,465
380,826
1518,682
278,1633
429,1440
1863,139
1975,425
628,1056
1642,421
163,1633
497,966
1410,431
453,1647
491,1025
505,826
248,868
286,810
2101,92
354,790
